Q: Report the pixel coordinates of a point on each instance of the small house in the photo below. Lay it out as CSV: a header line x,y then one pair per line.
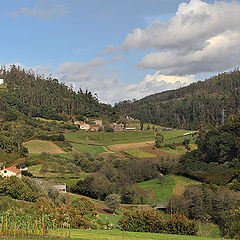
x,y
98,123
130,128
11,171
84,126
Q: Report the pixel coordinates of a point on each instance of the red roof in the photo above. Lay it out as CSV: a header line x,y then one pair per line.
x,y
14,170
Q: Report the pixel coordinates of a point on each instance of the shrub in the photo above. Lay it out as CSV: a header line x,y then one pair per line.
x,y
150,220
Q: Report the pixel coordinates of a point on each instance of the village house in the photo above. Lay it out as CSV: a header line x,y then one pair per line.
x,y
98,123
94,128
84,126
130,128
11,171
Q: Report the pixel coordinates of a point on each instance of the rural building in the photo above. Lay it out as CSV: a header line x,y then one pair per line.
x,y
11,171
98,123
94,129
130,128
130,118
1,81
159,129
118,127
84,126
61,187
77,123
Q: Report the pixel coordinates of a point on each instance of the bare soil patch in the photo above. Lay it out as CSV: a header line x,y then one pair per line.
x,y
150,149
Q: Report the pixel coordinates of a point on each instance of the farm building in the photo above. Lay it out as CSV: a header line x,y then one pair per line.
x,y
11,171
98,123
84,126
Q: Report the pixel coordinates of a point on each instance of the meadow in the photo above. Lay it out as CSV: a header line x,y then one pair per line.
x,y
136,152
161,192
123,235
40,146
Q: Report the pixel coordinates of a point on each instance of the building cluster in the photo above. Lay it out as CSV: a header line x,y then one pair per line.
x,y
97,124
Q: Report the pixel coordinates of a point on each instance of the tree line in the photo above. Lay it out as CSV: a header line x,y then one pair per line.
x,y
198,104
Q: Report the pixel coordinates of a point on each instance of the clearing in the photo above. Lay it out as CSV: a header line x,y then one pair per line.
x,y
40,146
162,192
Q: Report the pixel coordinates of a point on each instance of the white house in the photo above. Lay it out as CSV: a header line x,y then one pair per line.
x,y
1,81
11,171
84,126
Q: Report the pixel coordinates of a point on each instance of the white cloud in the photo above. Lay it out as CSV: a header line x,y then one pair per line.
x,y
201,37
110,50
108,87
56,11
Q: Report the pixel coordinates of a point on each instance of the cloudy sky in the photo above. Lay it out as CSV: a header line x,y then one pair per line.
x,y
124,49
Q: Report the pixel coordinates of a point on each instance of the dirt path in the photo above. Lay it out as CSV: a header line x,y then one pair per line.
x,y
150,149
119,147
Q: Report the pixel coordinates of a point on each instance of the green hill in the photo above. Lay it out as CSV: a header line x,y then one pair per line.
x,y
189,107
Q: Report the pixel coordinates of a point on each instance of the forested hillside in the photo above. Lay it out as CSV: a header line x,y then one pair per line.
x,y
35,96
191,106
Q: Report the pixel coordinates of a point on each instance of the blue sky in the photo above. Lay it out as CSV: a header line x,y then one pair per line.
x,y
121,49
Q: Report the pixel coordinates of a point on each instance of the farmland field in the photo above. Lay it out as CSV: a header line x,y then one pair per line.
x,y
68,178
40,146
109,138
119,235
136,152
161,193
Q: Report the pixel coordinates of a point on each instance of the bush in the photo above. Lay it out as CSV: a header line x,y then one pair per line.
x,y
150,220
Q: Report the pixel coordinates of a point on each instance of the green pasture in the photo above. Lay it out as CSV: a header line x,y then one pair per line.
x,y
3,86
174,133
109,138
87,234
68,178
40,146
136,152
162,192
48,120
93,150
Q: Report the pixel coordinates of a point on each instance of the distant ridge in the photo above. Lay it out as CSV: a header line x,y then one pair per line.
x,y
200,103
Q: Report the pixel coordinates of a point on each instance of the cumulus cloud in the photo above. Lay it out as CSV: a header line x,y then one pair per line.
x,y
109,88
110,50
58,10
201,37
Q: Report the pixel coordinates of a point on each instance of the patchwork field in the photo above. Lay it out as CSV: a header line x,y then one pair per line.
x,y
136,152
162,192
109,138
40,146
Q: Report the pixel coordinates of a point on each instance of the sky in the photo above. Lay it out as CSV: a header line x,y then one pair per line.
x,y
124,49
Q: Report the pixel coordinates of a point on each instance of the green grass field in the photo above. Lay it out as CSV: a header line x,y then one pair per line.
x,y
123,235
136,152
3,86
108,138
40,146
161,193
68,178
93,150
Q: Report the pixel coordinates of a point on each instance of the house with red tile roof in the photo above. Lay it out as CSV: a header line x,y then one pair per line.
x,y
11,171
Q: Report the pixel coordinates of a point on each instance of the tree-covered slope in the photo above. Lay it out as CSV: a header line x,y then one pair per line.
x,y
35,96
188,107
